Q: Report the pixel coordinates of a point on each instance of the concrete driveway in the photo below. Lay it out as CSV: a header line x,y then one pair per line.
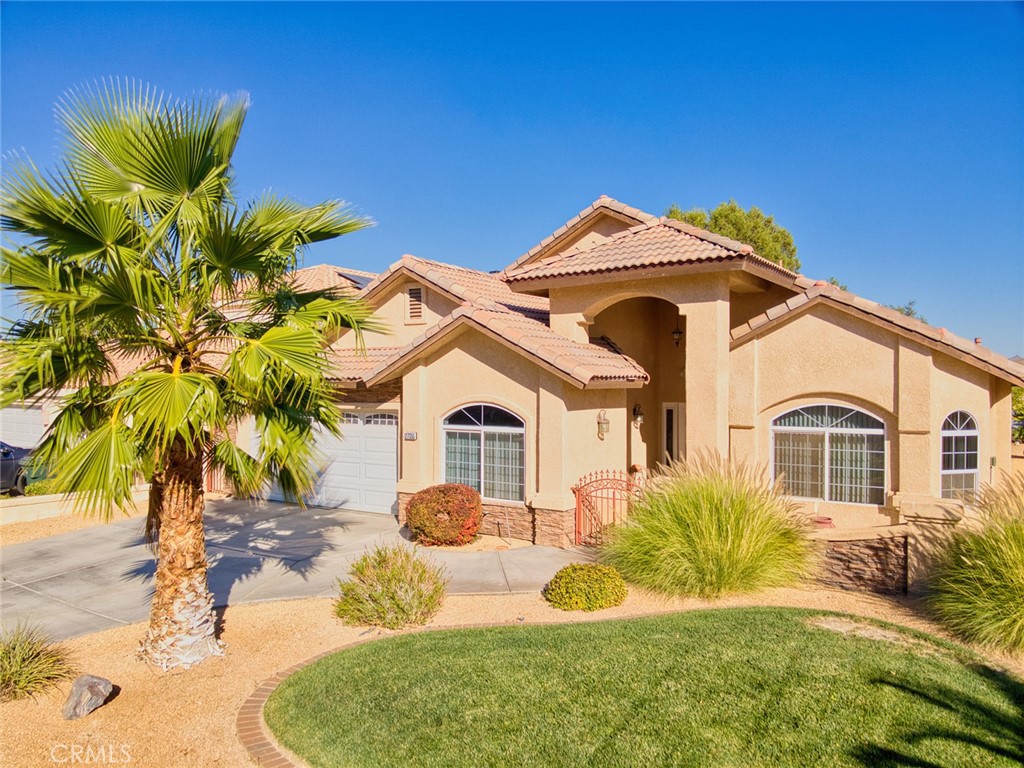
x,y
101,577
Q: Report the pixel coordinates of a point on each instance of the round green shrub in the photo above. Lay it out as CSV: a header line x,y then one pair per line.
x,y
707,527
41,487
391,587
444,515
977,583
586,587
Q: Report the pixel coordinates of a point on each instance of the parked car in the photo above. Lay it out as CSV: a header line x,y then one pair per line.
x,y
12,472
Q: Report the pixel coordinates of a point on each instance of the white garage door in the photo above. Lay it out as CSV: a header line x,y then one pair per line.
x,y
361,468
22,427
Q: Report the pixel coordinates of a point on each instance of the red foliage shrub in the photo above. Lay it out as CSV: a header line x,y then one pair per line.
x,y
446,515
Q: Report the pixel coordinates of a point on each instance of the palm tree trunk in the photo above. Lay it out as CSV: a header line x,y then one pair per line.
x,y
181,619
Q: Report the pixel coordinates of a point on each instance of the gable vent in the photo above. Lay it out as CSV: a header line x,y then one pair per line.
x,y
415,305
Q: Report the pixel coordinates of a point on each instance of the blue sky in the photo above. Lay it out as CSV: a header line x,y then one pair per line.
x,y
886,137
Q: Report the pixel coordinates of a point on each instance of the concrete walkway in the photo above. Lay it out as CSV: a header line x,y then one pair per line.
x,y
101,577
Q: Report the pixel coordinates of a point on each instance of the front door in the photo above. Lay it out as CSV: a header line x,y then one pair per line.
x,y
673,432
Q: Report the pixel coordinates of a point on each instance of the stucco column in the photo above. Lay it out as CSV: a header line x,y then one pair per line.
x,y
912,447
707,369
415,470
554,488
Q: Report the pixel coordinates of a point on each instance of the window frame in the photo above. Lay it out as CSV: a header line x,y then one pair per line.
x,y
826,432
482,430
975,433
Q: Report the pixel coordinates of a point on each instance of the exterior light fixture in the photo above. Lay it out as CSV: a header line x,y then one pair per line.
x,y
638,415
603,425
677,334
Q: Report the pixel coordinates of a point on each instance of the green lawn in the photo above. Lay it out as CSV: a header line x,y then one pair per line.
x,y
711,688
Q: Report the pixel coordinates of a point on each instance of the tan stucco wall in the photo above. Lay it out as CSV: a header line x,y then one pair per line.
x,y
828,356
561,420
391,312
702,302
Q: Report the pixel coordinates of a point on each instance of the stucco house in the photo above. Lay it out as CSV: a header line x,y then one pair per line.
x,y
625,339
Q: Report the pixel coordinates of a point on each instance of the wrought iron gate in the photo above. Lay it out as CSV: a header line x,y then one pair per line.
x,y
602,499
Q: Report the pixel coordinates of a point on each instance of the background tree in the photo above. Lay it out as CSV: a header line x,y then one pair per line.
x,y
154,306
753,227
909,309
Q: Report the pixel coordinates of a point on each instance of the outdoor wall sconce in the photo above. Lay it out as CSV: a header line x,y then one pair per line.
x,y
603,425
638,415
677,334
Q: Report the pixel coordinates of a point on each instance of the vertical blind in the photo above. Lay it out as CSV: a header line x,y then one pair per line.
x,y
485,448
831,452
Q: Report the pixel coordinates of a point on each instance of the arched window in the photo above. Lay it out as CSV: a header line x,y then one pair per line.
x,y
830,452
959,473
484,448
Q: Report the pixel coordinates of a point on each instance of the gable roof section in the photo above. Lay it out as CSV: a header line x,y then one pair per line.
x,y
603,206
591,365
937,338
660,242
460,284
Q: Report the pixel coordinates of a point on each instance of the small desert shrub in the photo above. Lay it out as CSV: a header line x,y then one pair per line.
x,y
706,527
391,587
978,580
445,515
41,487
30,663
586,587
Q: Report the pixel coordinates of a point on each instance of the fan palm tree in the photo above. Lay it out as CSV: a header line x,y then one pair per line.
x,y
159,311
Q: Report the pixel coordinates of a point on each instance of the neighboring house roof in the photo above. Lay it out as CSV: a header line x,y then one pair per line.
x,y
323,277
660,242
585,365
821,292
603,206
482,289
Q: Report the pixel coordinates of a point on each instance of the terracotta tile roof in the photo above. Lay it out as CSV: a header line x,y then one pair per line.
x,y
602,204
322,277
658,243
585,364
354,365
481,289
820,291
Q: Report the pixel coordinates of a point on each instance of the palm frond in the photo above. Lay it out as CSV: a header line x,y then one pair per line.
x,y
100,469
167,405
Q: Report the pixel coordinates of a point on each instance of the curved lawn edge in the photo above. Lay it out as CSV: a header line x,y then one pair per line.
x,y
265,750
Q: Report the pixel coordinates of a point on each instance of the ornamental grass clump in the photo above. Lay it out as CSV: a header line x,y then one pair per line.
x,y
391,587
444,515
707,527
978,579
586,587
30,663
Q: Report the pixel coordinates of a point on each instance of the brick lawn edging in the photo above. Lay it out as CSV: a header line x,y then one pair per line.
x,y
250,727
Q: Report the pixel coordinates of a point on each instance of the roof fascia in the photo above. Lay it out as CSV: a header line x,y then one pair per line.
x,y
539,284
400,273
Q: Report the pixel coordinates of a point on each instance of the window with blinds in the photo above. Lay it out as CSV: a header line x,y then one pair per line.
x,y
485,448
830,452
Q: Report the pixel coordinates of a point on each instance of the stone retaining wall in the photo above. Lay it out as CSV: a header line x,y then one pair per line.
x,y
866,565
546,527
